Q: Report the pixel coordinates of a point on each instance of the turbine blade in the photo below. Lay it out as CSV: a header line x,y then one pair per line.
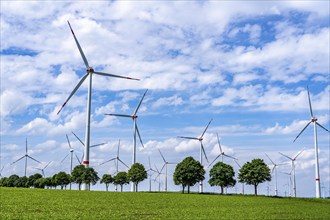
x,y
270,159
113,75
26,150
48,164
77,157
302,131
229,156
96,145
33,159
67,138
82,157
78,138
298,154
285,156
74,91
273,168
310,104
162,167
204,151
118,149
148,160
64,158
107,161
206,127
193,138
137,108
79,48
18,160
219,143
162,155
120,115
238,164
137,129
214,160
123,162
322,126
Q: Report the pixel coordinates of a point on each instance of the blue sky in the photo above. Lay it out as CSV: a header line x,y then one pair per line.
x,y
244,64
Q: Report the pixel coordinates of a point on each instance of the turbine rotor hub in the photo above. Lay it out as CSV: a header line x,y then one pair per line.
x,y
134,116
90,70
314,119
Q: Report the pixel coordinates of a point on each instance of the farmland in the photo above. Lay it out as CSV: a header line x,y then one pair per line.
x,y
22,203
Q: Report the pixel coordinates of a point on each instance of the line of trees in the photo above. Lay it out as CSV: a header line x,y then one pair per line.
x,y
190,171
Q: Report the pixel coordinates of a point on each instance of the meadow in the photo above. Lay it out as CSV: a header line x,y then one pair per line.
x,y
20,203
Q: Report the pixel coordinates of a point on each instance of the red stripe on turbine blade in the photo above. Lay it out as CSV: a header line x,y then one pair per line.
x,y
86,162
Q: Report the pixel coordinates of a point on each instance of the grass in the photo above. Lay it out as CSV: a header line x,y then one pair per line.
x,y
16,203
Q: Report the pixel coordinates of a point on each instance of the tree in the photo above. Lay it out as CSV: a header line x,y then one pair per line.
x,y
12,180
107,179
90,176
62,179
54,182
21,182
121,179
48,182
188,172
137,173
77,175
32,179
4,181
254,173
40,183
222,175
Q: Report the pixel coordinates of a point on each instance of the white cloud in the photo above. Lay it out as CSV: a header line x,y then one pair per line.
x,y
168,101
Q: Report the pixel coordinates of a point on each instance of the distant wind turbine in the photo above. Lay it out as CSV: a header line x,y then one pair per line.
x,y
275,170
43,169
200,139
150,170
289,184
240,168
89,73
314,121
158,175
165,165
26,157
1,171
135,130
293,169
222,154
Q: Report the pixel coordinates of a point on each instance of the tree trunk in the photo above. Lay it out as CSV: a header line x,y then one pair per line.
x,y
221,189
255,189
136,187
182,188
79,186
121,188
188,189
107,186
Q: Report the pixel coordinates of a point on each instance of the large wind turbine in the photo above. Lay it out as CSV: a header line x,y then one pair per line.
x,y
200,139
293,169
165,165
135,130
43,169
275,170
89,73
222,154
117,160
314,121
26,157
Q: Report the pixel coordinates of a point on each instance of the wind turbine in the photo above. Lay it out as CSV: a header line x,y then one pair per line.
x,y
222,154
26,157
150,174
135,130
117,160
293,159
159,173
95,145
240,168
165,165
89,73
43,169
274,169
289,181
200,139
314,121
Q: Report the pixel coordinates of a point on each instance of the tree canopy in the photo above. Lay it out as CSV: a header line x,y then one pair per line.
x,y
222,175
121,179
254,173
90,176
63,179
76,175
188,172
137,173
107,180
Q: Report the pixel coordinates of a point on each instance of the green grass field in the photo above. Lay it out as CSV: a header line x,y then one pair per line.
x,y
16,203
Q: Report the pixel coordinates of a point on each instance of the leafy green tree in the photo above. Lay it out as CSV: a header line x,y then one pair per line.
x,y
90,176
107,180
12,180
32,179
188,172
137,173
222,175
62,179
77,175
254,173
4,181
21,182
54,182
40,183
121,179
48,182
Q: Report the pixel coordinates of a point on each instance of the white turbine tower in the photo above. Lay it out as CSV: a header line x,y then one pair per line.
x,y
135,130
275,170
240,168
159,173
117,160
200,139
149,173
222,154
43,169
89,73
165,165
314,121
26,157
293,169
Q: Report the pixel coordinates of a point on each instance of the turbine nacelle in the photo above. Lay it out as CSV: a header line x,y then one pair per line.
x,y
314,119
90,70
134,116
